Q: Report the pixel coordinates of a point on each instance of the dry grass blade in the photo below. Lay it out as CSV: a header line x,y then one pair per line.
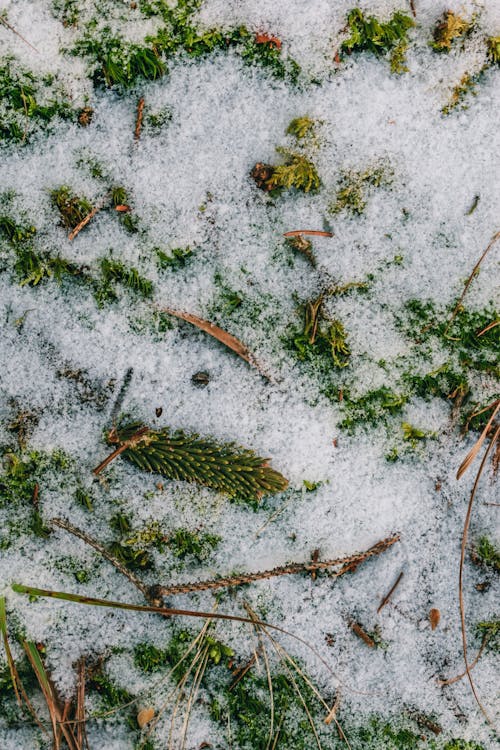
x,y
49,695
11,28
313,232
138,122
80,720
461,571
469,281
17,684
477,446
218,333
265,657
489,327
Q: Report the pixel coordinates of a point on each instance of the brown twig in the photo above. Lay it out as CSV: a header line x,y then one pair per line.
x,y
89,217
62,524
358,630
469,281
138,122
123,447
461,571
292,569
242,671
314,232
412,7
451,680
481,411
391,591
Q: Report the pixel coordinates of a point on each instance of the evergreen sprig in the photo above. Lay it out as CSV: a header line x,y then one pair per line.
x,y
225,467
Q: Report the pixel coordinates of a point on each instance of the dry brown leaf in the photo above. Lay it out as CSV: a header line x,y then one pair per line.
x,y
145,716
434,618
122,208
272,41
315,232
218,333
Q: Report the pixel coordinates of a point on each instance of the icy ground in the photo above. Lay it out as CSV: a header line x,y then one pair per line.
x,y
189,183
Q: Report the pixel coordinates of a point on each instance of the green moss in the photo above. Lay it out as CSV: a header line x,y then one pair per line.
x,y
352,192
15,233
297,172
114,272
373,407
301,127
461,92
31,267
491,630
487,554
29,102
493,48
185,543
450,27
177,257
369,34
116,62
72,209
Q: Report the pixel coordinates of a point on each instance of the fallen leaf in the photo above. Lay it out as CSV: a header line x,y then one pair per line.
x,y
434,617
273,41
145,716
122,207
218,333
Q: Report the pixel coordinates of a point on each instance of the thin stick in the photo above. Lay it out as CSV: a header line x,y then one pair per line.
x,y
461,571
293,568
451,680
5,23
391,591
138,122
89,217
356,628
469,281
123,447
62,524
314,232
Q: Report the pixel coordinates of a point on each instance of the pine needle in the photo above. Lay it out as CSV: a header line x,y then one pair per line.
x,y
315,232
74,232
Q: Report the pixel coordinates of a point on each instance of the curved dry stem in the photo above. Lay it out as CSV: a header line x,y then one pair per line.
x,y
461,574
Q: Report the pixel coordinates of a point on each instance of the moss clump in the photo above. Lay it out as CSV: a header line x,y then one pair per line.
x,y
450,27
15,233
29,103
185,543
31,267
301,127
297,172
119,63
322,336
466,87
72,209
485,553
493,49
113,273
490,629
177,257
369,34
352,193
373,407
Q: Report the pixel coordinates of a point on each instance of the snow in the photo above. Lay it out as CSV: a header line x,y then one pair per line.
x,y
225,118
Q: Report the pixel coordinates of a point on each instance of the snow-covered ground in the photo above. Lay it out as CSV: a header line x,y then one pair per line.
x,y
189,185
